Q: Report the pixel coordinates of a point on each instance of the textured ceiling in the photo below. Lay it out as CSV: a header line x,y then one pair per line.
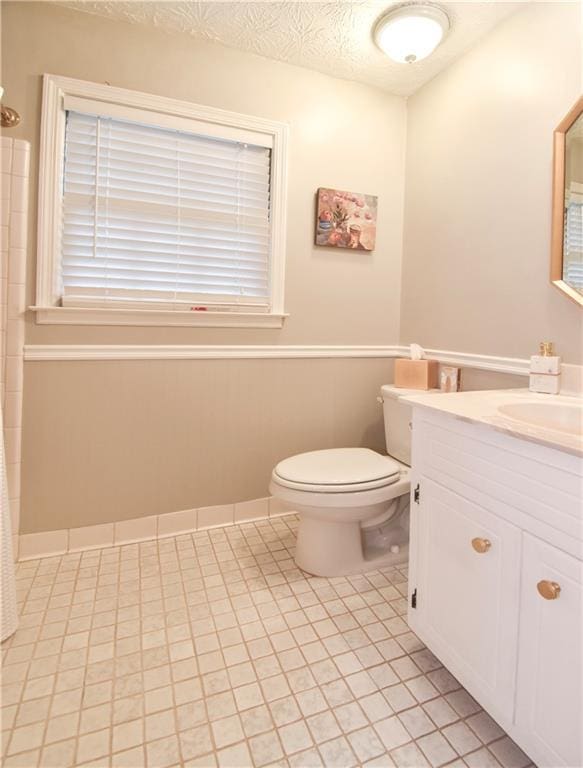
x,y
329,37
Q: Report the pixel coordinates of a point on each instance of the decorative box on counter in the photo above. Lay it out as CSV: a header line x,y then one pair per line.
x,y
416,374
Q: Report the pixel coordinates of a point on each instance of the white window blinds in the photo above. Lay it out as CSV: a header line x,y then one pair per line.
x,y
573,245
164,217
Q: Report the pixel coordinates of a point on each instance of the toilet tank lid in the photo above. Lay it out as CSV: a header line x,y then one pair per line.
x,y
337,466
390,390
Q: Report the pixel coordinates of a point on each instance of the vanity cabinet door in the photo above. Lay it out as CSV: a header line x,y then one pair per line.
x,y
550,670
467,581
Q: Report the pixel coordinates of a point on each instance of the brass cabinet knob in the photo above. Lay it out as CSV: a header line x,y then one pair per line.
x,y
550,590
481,545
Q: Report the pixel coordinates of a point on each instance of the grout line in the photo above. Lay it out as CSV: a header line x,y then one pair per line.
x,y
236,566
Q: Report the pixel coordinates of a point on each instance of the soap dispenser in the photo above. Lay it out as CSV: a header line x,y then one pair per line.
x,y
545,370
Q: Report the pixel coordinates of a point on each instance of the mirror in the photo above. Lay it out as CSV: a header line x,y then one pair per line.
x,y
567,223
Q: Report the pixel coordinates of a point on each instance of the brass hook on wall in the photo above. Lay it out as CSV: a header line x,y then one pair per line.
x,y
8,117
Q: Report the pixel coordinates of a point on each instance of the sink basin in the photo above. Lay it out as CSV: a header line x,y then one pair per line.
x,y
559,417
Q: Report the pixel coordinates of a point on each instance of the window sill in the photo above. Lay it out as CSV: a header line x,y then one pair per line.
x,y
153,317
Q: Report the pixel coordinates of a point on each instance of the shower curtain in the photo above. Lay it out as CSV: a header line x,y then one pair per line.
x,y
14,157
9,616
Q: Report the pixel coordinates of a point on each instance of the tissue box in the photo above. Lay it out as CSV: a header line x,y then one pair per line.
x,y
416,374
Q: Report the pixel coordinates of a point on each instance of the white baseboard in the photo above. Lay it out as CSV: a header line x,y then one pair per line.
x,y
31,546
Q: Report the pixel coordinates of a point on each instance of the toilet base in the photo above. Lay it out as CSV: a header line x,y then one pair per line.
x,y
336,549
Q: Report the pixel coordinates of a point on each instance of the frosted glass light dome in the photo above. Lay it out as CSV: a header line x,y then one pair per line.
x,y
412,32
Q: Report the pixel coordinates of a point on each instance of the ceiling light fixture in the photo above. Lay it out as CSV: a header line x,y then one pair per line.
x,y
409,33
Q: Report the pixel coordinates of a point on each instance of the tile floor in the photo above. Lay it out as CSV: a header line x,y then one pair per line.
x,y
214,649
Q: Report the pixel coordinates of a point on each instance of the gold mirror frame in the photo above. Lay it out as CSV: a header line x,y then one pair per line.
x,y
558,212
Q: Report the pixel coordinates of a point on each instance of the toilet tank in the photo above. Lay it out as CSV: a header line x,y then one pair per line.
x,y
398,416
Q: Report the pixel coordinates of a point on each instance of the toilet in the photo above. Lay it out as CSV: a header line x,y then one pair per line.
x,y
353,503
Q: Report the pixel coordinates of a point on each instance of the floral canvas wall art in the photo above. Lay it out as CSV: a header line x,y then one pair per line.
x,y
346,219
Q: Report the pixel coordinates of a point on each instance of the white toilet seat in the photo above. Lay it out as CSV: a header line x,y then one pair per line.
x,y
344,488
337,470
332,498
335,492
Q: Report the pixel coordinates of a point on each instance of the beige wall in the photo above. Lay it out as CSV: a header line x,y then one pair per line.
x,y
107,441
342,135
116,440
110,441
478,192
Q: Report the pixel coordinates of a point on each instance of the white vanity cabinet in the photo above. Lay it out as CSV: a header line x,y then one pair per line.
x,y
467,598
550,669
495,576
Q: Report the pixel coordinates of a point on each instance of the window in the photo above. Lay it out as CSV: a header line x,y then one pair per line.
x,y
154,211
573,242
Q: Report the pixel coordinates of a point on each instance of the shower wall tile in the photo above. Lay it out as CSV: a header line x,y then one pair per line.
x,y
14,168
21,158
12,410
5,186
14,504
19,193
6,150
13,478
14,374
14,335
16,266
12,444
17,229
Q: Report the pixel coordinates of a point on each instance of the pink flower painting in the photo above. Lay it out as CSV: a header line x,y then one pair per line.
x,y
346,219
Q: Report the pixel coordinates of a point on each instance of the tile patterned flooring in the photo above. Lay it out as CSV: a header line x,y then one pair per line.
x,y
213,649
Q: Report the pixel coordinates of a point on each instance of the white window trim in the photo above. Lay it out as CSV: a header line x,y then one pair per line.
x,y
48,311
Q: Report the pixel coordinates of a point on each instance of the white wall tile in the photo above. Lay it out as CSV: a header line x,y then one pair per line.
x,y
277,507
210,517
13,480
21,159
176,522
12,439
18,230
12,410
138,529
141,529
91,537
14,336
5,187
17,266
6,155
16,298
251,510
33,545
19,194
15,159
14,505
14,373
5,216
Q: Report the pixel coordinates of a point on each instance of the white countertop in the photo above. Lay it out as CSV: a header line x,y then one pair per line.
x,y
482,407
